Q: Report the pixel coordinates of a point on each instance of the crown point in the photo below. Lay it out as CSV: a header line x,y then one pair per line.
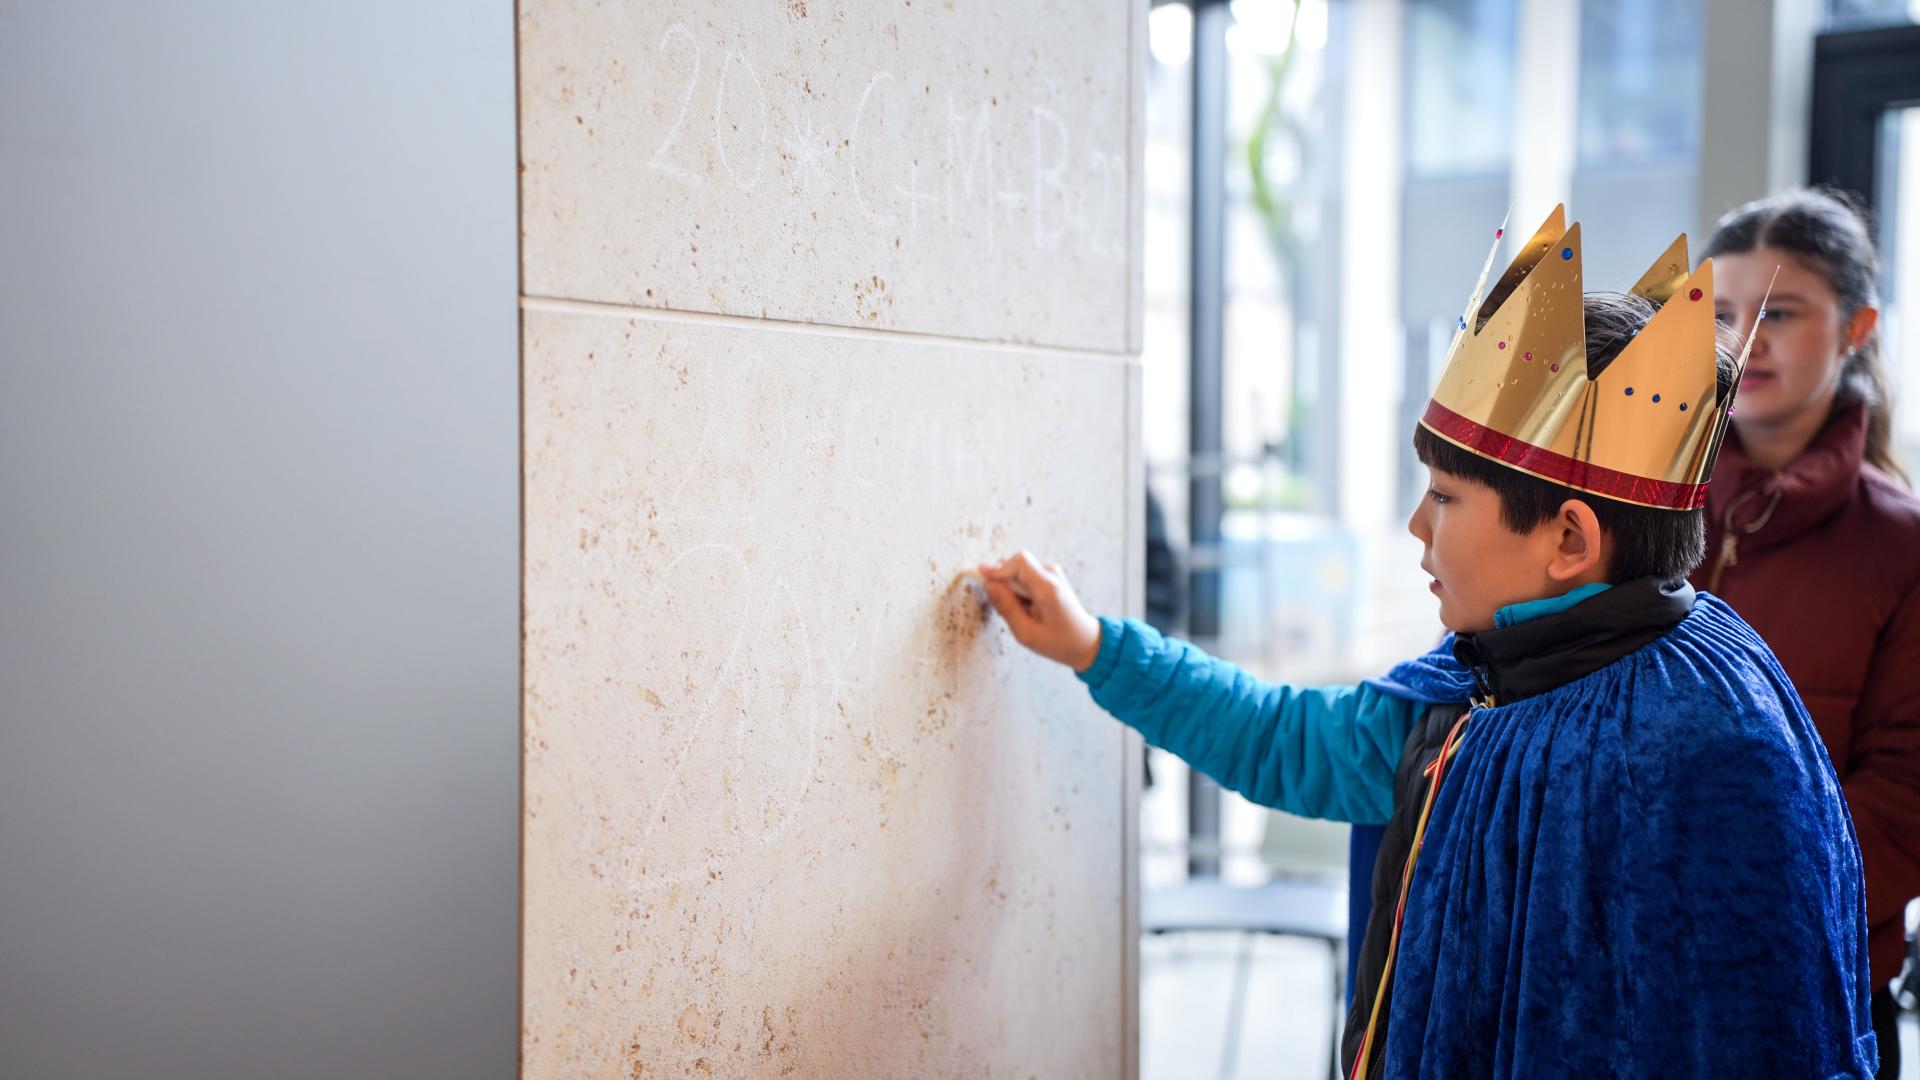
x,y
1542,303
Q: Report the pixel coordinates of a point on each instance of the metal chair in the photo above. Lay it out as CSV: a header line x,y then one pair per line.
x,y
1310,906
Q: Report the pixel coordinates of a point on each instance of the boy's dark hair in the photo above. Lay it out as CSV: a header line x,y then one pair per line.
x,y
1666,544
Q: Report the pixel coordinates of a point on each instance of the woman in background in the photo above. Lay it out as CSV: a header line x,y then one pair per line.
x,y
1812,535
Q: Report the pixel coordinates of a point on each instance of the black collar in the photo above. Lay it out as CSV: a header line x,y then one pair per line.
x,y
1546,653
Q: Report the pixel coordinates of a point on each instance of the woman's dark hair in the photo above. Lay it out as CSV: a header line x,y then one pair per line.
x,y
1647,542
1830,233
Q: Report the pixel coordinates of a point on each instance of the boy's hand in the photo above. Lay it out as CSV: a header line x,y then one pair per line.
x,y
1042,610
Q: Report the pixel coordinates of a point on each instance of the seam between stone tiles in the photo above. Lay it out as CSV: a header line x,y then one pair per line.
x,y
705,318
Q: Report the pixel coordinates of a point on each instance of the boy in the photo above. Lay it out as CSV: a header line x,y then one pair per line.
x,y
1614,845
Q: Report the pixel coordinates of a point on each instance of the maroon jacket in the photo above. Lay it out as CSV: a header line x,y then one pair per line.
x,y
1823,559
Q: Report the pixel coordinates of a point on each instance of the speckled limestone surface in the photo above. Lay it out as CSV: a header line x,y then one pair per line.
x,y
794,805
957,167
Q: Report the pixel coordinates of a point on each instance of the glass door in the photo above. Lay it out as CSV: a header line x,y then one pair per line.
x,y
1866,139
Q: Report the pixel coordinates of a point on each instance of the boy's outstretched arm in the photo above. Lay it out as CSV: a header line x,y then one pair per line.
x,y
1325,752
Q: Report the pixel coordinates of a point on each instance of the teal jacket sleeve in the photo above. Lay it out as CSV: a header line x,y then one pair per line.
x,y
1325,752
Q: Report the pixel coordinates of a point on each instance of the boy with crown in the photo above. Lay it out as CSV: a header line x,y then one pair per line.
x,y
1614,843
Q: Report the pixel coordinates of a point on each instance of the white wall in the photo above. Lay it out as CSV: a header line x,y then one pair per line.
x,y
825,304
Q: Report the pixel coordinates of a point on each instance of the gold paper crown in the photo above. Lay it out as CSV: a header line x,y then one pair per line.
x,y
1519,388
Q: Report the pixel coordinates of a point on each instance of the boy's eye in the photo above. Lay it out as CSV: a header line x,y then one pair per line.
x,y
1438,498
1723,317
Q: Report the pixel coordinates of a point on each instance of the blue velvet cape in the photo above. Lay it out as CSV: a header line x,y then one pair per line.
x,y
1649,872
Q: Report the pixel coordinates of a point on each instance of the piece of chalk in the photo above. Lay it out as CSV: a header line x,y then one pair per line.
x,y
1019,590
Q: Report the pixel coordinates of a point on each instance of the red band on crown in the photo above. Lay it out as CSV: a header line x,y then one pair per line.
x,y
1547,465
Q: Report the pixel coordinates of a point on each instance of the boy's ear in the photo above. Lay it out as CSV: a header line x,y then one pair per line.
x,y
1583,546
